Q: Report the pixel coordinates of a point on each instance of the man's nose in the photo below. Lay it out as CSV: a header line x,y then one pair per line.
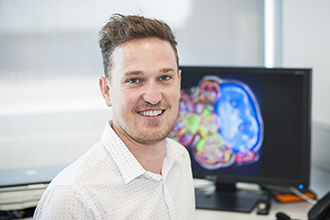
x,y
152,93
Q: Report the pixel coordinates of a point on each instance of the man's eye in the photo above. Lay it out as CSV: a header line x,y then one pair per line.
x,y
133,81
164,78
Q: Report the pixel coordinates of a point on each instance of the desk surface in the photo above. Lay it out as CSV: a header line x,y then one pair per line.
x,y
320,180
298,210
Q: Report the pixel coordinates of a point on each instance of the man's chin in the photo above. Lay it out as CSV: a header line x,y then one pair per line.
x,y
152,136
151,139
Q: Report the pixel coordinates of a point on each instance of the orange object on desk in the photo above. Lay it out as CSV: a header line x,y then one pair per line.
x,y
293,198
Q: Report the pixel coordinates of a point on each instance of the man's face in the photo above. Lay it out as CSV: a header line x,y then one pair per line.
x,y
144,90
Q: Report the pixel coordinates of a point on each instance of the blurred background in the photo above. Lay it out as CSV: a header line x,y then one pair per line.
x,y
51,109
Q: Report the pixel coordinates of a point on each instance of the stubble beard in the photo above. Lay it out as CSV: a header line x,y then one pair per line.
x,y
149,138
145,134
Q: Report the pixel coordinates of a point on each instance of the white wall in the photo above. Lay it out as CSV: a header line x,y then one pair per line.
x,y
51,110
306,43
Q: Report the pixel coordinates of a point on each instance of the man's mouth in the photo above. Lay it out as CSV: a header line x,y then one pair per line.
x,y
151,113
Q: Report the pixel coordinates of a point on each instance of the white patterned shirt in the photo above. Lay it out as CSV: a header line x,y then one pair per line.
x,y
108,182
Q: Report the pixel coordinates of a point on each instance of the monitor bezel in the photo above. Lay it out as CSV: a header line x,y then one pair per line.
x,y
304,180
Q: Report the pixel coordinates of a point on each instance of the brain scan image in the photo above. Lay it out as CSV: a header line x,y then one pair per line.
x,y
219,121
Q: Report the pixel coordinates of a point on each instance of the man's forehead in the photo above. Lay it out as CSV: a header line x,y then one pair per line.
x,y
129,60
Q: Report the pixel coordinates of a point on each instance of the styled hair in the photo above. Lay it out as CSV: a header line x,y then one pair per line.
x,y
120,29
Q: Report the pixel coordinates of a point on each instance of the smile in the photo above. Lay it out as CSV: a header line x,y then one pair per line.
x,y
152,113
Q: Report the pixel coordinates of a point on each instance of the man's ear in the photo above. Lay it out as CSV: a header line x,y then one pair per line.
x,y
179,77
105,90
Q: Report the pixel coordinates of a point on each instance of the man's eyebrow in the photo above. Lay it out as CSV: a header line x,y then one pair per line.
x,y
165,70
138,72
133,73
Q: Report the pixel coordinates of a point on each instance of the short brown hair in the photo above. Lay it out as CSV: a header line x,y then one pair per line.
x,y
120,29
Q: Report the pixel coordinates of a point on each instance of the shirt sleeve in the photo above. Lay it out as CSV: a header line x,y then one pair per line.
x,y
62,202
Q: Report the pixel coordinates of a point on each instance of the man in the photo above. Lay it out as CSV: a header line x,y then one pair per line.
x,y
135,171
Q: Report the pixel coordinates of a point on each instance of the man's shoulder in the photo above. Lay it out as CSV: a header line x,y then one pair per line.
x,y
79,170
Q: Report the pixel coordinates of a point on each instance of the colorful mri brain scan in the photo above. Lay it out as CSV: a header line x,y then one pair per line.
x,y
220,122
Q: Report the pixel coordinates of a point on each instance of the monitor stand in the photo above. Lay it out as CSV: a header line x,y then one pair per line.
x,y
227,198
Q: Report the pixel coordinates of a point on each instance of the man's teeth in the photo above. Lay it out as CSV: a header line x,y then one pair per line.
x,y
151,113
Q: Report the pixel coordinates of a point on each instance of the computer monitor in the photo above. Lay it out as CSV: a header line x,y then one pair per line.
x,y
245,124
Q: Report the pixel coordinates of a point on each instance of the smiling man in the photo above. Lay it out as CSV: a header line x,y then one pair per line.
x,y
135,171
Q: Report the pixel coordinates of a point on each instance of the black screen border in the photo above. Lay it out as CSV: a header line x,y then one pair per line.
x,y
305,128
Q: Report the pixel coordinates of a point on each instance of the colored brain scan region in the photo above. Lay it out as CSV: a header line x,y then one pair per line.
x,y
219,121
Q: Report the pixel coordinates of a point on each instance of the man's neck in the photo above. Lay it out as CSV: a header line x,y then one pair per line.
x,y
150,157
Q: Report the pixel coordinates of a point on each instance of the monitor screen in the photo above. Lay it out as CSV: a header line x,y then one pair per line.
x,y
246,124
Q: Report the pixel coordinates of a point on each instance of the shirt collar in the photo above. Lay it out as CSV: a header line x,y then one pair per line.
x,y
128,165
172,156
